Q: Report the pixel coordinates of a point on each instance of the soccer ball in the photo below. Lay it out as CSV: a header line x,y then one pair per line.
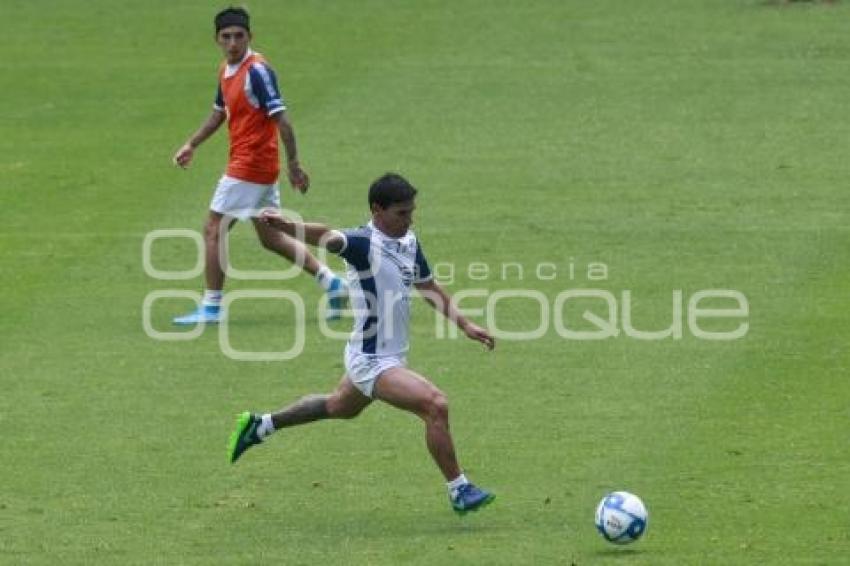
x,y
621,517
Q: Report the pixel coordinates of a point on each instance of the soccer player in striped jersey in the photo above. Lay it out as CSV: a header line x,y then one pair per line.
x,y
385,261
249,99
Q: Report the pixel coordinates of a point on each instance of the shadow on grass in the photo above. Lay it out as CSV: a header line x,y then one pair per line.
x,y
615,552
453,528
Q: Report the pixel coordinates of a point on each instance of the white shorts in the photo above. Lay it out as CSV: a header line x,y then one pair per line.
x,y
363,370
241,199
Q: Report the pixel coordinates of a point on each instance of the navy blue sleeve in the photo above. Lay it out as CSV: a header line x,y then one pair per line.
x,y
219,98
422,269
356,250
264,87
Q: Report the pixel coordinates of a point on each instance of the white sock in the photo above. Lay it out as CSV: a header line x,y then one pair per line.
x,y
212,298
455,484
324,277
266,427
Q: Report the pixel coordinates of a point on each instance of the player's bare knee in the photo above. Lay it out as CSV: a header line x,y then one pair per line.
x,y
337,409
268,243
438,406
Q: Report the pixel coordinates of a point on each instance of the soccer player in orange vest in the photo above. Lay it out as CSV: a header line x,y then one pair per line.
x,y
249,100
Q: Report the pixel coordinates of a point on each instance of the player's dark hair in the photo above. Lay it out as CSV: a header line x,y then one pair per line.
x,y
232,16
390,189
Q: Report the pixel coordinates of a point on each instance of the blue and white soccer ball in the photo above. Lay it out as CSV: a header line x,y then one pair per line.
x,y
621,517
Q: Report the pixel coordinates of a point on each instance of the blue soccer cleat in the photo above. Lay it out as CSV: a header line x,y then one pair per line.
x,y
337,298
470,498
245,435
206,314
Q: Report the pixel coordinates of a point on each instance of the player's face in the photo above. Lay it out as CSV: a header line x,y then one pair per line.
x,y
396,219
234,42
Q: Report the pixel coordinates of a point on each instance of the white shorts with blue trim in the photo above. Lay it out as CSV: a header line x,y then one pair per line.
x,y
363,370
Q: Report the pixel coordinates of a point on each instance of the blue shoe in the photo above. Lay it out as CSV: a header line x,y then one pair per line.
x,y
470,498
207,314
245,435
337,298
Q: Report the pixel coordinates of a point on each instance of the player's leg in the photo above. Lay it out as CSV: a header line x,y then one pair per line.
x,y
407,390
213,232
210,310
287,247
227,204
346,402
298,253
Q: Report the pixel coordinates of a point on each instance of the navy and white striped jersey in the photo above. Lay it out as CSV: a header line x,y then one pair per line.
x,y
381,274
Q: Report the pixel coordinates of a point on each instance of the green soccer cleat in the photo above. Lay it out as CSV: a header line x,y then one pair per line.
x,y
245,435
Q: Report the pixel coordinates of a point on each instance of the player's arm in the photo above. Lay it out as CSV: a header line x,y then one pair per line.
x,y
264,86
208,128
297,176
313,233
437,297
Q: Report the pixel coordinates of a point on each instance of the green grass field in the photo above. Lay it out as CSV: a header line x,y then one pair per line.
x,y
684,144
